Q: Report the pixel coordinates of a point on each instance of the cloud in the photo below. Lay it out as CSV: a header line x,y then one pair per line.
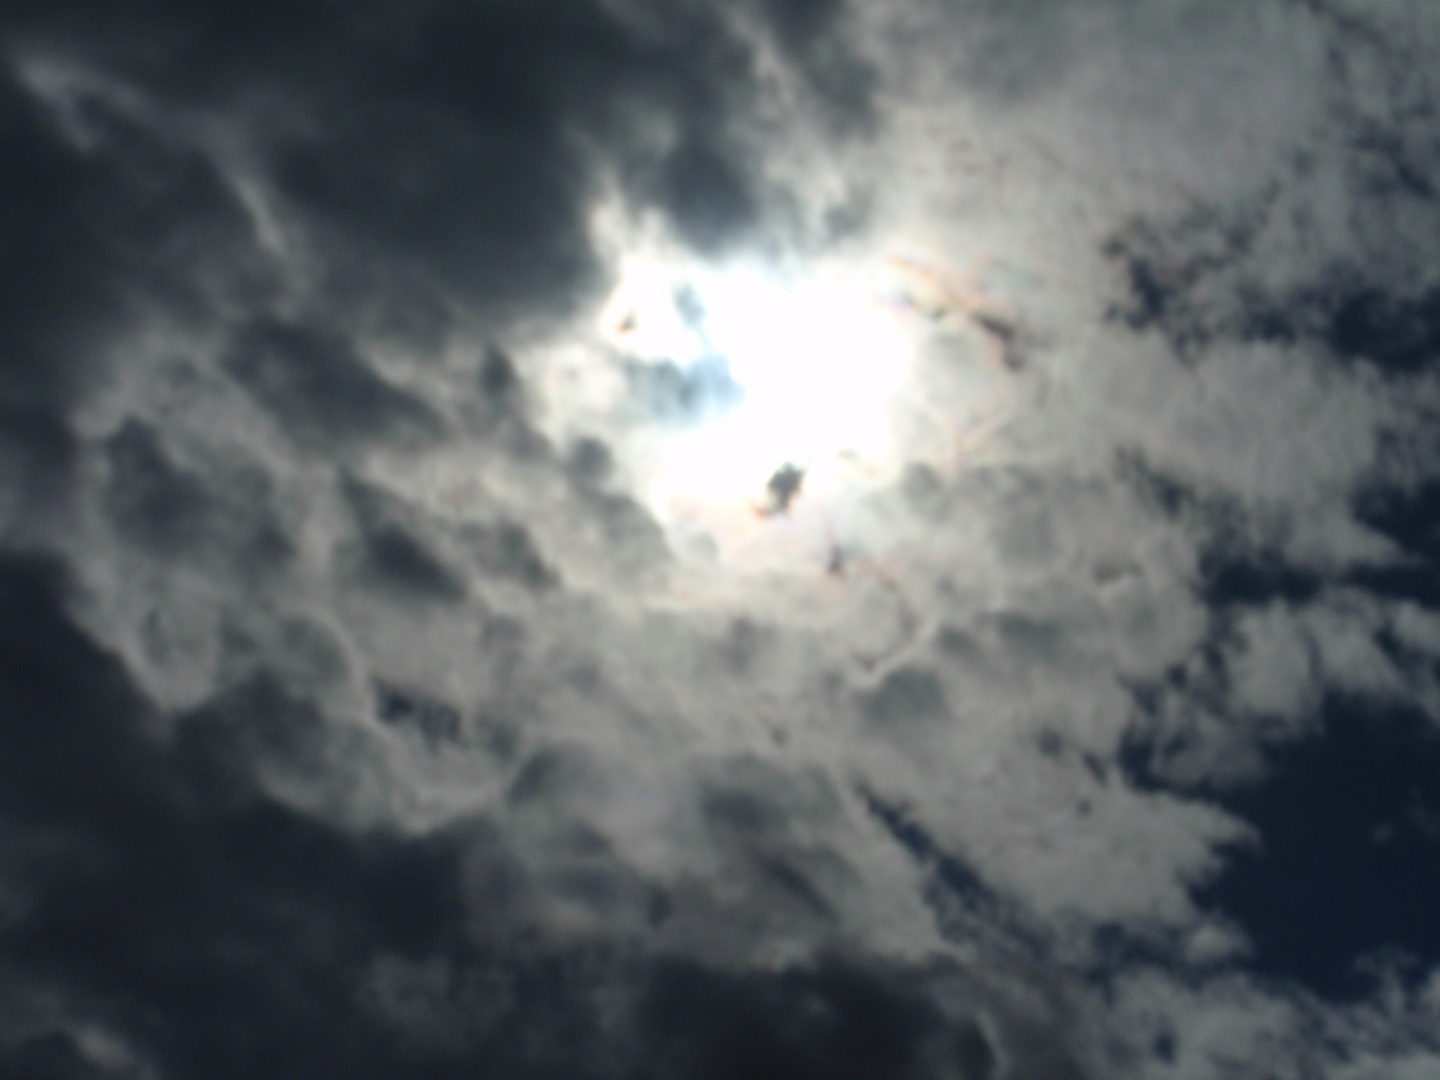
x,y
364,713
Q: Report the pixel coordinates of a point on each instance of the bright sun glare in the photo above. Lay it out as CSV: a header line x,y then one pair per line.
x,y
810,367
754,408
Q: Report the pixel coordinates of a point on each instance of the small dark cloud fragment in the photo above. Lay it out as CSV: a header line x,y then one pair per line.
x,y
745,646
1350,859
437,722
1172,271
1157,489
1152,289
322,394
1028,638
782,489
1353,316
951,871
1413,580
553,774
1116,948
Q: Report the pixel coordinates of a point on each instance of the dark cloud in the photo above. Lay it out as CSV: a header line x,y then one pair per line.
x,y
60,282
949,871
507,550
1398,333
391,553
453,141
174,511
708,196
782,489
178,895
813,33
322,394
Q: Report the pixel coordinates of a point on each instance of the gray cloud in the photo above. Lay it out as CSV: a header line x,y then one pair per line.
x,y
360,717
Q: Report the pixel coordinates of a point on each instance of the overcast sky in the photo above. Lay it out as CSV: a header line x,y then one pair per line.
x,y
675,539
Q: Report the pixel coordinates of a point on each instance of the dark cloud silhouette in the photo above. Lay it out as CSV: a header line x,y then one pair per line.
x,y
322,394
59,276
174,512
215,914
391,554
782,489
507,551
813,33
707,195
436,721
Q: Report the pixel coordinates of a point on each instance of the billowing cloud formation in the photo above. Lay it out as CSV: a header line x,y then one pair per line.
x,y
364,711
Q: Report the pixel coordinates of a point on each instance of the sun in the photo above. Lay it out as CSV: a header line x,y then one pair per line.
x,y
754,405
769,377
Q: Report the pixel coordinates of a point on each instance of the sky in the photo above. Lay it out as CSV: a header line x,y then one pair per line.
x,y
647,539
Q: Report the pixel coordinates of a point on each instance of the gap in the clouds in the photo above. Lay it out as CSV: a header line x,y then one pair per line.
x,y
1260,577
965,907
1349,863
1408,516
922,846
1399,334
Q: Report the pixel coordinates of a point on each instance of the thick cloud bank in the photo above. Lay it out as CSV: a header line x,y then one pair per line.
x,y
384,692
